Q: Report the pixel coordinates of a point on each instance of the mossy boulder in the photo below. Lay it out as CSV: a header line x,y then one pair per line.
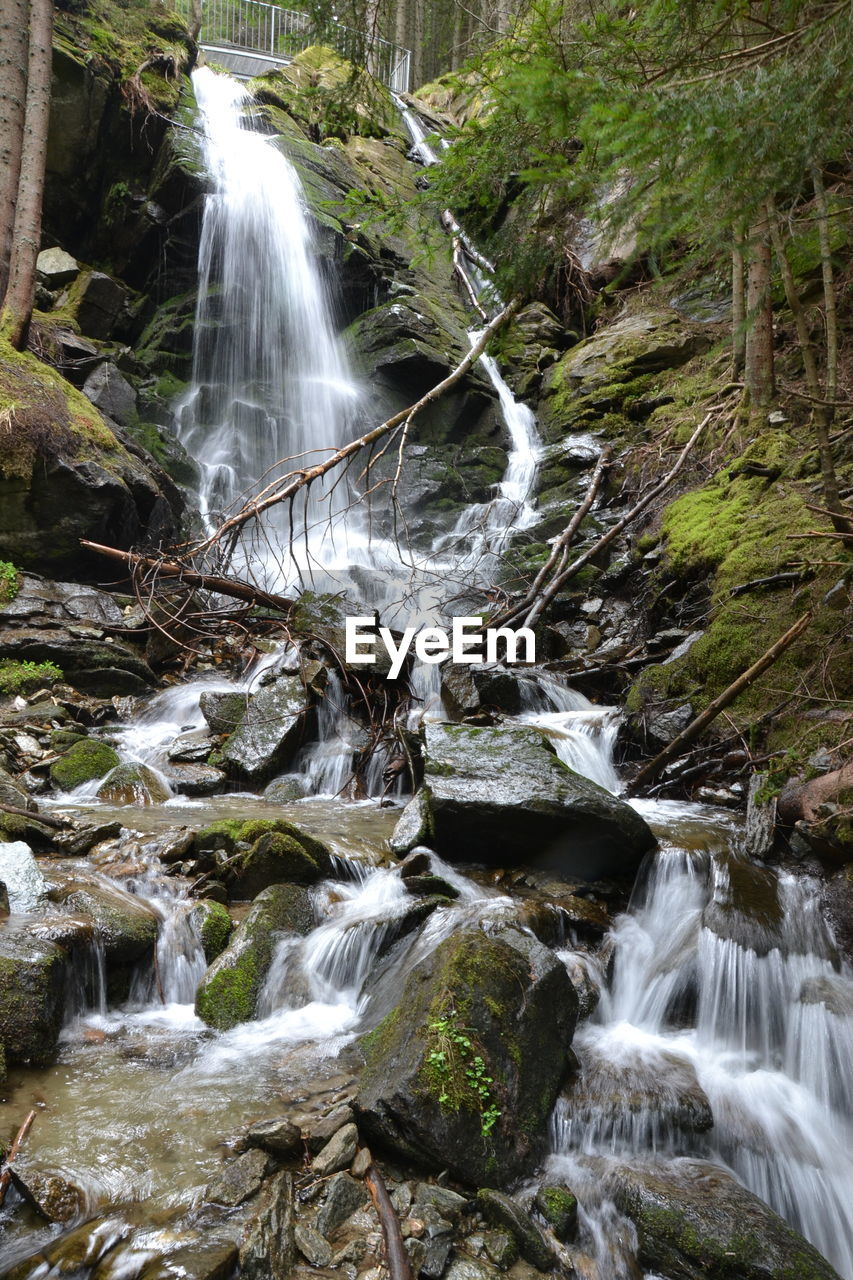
x,y
695,1220
82,762
228,992
501,795
133,783
464,1072
329,97
279,857
214,926
33,975
125,924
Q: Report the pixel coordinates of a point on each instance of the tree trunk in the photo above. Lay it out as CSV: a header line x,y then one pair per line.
x,y
829,301
18,303
14,39
821,415
738,310
196,15
758,368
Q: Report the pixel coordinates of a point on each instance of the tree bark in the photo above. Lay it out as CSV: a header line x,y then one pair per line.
x,y
829,300
738,310
18,303
14,42
821,412
758,368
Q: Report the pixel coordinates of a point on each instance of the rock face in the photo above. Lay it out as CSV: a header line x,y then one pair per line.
x,y
500,1007
694,1220
501,795
229,991
32,995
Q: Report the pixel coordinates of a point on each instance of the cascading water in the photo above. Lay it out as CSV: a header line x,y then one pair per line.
x,y
726,1033
270,389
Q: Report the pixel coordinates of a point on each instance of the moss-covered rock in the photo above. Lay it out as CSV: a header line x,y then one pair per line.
x,y
269,731
133,783
276,858
84,760
463,1073
125,924
214,926
695,1220
228,993
33,975
329,97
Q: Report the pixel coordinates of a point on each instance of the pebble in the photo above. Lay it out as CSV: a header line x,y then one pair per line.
x,y
337,1154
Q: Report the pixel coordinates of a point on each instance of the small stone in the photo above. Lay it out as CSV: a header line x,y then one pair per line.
x,y
559,1208
402,1197
448,1203
464,1268
239,1180
313,1247
361,1163
436,1253
322,1130
344,1196
501,1210
417,1251
337,1154
501,1248
279,1136
53,1196
420,886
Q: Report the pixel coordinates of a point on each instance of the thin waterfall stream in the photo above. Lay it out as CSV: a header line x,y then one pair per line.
x,y
720,1019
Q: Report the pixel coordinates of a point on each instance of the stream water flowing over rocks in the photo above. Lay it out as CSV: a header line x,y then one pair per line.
x,y
575,1033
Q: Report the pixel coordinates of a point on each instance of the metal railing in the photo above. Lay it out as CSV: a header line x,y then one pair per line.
x,y
268,30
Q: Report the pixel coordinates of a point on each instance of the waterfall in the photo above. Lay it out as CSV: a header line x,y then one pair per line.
x,y
270,390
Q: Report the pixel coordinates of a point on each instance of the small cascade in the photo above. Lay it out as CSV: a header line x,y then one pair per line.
x,y
583,734
87,985
726,1033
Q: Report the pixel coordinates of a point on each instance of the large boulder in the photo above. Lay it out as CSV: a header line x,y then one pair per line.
x,y
228,992
33,974
269,732
695,1220
464,1072
124,924
20,873
501,795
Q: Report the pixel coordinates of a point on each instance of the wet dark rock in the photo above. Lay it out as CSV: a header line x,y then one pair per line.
x,y
337,1154
101,303
125,924
418,863
459,690
502,1210
745,907
313,1247
662,727
267,1247
228,992
465,1268
133,784
327,1126
426,885
410,919
344,1196
501,795
200,1259
269,732
40,599
33,977
76,843
694,1219
50,1193
500,1248
280,1137
520,1011
285,789
559,1208
240,1179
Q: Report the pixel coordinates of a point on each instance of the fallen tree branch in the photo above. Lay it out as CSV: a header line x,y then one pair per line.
x,y
232,587
559,553
33,815
294,481
513,614
775,579
399,1267
6,1175
651,770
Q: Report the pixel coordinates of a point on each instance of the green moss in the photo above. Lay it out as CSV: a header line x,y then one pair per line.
x,y
216,929
82,762
9,582
23,677
228,997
